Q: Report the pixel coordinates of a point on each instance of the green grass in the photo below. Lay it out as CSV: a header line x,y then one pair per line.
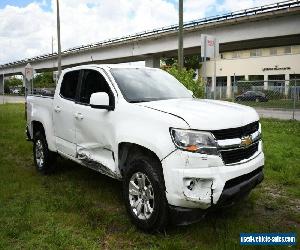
x,y
77,208
283,104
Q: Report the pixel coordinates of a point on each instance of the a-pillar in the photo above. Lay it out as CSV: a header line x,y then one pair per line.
x,y
152,62
286,84
229,88
266,84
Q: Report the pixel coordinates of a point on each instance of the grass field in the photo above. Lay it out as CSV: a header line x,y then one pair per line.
x,y
77,208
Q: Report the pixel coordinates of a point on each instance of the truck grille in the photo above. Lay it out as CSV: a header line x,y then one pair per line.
x,y
238,154
232,133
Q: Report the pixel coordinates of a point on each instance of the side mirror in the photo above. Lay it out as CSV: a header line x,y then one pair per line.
x,y
100,100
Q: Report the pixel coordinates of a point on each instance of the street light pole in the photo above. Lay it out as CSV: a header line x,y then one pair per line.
x,y
58,40
180,36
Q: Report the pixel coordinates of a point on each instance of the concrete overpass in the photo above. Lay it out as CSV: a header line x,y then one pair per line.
x,y
266,26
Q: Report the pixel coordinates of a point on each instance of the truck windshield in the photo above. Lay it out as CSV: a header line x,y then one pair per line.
x,y
146,84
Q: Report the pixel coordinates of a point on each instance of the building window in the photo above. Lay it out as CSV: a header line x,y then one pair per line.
x,y
235,54
255,52
287,50
237,78
273,51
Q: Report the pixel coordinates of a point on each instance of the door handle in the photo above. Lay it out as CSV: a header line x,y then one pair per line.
x,y
57,109
78,116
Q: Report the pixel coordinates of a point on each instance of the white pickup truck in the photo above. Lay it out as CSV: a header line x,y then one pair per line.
x,y
178,156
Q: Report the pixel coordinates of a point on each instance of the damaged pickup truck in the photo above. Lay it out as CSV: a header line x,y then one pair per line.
x,y
178,156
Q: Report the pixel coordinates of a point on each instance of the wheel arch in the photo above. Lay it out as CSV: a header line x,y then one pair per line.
x,y
126,149
37,126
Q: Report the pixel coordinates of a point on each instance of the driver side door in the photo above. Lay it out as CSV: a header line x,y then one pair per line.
x,y
94,129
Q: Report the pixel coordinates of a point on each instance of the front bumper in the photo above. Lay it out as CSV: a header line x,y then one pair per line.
x,y
209,176
233,191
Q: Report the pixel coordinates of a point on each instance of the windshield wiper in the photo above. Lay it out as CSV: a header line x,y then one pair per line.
x,y
137,101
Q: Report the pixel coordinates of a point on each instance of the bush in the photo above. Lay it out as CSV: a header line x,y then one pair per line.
x,y
186,78
273,94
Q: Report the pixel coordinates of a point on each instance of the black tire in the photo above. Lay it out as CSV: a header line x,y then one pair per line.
x,y
46,166
146,164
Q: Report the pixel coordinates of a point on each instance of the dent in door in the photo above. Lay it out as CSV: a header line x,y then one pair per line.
x,y
98,157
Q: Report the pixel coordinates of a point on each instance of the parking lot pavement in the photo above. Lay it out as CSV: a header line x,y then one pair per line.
x,y
283,114
12,99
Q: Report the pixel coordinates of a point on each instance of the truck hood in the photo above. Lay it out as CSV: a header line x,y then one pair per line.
x,y
206,114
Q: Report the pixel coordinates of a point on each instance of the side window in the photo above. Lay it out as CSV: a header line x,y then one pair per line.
x,y
92,82
69,85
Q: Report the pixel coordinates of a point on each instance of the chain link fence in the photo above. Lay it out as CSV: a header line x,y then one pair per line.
x,y
273,98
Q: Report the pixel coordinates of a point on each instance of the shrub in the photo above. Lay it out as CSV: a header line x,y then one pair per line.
x,y
186,78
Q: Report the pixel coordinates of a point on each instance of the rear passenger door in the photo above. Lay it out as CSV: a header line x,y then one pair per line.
x,y
94,129
63,114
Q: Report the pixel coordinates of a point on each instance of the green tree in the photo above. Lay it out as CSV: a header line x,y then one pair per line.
x,y
44,80
189,62
13,82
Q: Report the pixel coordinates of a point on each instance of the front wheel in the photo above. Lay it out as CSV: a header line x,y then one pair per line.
x,y
144,194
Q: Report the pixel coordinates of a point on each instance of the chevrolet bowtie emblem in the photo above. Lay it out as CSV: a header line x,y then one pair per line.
x,y
246,141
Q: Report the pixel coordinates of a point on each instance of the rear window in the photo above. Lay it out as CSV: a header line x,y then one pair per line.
x,y
69,85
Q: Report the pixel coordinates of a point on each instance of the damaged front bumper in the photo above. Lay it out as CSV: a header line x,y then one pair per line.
x,y
234,190
201,182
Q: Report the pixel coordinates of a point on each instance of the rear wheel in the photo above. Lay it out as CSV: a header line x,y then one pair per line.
x,y
43,157
144,193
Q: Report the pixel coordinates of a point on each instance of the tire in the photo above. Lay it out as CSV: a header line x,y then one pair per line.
x,y
42,156
146,205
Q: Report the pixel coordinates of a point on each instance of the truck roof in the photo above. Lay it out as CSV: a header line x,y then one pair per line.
x,y
107,66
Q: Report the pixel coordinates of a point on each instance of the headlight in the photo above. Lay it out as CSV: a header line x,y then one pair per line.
x,y
194,141
259,128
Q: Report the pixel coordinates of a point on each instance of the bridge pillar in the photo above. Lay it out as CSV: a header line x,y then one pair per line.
x,y
153,62
1,84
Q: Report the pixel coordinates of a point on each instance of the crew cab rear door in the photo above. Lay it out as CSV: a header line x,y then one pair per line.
x,y
63,113
94,127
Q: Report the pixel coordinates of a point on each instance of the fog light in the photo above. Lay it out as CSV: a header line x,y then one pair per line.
x,y
190,184
198,189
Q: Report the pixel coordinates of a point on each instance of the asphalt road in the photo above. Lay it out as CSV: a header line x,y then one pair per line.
x,y
284,114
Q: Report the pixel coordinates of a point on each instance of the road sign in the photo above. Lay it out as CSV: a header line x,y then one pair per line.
x,y
209,46
28,72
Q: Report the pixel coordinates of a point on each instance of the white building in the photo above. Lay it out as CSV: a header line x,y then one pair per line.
x,y
269,67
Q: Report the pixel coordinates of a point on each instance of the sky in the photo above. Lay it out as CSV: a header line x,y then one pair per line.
x,y
27,26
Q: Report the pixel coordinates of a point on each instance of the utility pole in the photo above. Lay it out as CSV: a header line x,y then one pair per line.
x,y
52,45
180,36
58,40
